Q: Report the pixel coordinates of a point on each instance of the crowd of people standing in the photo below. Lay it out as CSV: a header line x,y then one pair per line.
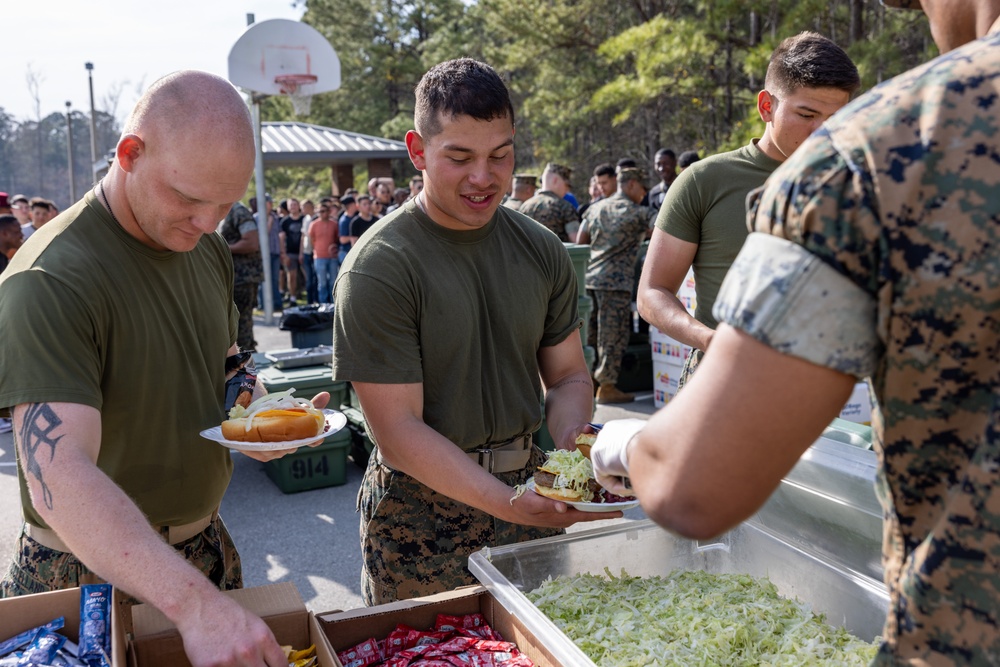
x,y
868,258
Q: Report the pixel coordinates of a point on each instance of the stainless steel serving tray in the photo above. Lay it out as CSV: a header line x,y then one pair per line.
x,y
817,538
296,358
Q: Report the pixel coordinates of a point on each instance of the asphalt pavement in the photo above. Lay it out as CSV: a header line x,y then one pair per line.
x,y
309,538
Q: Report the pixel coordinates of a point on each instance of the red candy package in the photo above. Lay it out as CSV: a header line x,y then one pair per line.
x,y
455,641
446,622
364,654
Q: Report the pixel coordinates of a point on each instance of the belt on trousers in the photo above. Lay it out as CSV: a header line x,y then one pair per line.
x,y
172,534
505,457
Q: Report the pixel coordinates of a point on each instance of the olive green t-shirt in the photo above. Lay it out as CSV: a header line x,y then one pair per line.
x,y
90,315
707,205
462,312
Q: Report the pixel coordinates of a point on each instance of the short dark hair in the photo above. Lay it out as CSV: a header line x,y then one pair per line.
x,y
461,87
346,200
665,152
41,202
604,169
627,163
810,60
687,158
364,198
8,219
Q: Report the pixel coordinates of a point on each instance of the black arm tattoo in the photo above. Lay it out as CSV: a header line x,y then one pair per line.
x,y
39,422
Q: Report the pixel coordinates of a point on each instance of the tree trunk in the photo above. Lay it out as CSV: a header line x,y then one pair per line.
x,y
857,21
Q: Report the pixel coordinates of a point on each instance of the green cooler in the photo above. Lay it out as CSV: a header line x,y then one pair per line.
x,y
361,444
312,467
580,254
307,381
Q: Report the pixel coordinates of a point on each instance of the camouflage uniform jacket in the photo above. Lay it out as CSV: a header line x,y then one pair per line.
x,y
513,203
248,268
617,227
552,211
880,255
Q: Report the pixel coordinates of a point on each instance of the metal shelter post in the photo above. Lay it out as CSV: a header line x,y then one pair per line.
x,y
263,219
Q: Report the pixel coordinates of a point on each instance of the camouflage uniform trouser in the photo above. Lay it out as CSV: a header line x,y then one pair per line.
x,y
245,298
37,569
610,318
690,364
417,542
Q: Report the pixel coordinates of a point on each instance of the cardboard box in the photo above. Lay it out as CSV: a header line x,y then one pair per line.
x,y
666,373
155,641
22,613
665,348
858,407
687,294
344,629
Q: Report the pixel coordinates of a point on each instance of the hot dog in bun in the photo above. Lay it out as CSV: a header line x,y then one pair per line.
x,y
274,418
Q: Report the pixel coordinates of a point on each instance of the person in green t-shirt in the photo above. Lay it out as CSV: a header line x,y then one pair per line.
x,y
870,256
128,298
702,222
454,315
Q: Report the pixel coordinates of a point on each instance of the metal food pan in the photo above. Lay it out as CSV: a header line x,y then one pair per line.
x,y
295,358
848,598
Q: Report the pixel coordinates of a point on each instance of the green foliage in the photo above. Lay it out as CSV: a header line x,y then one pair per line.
x,y
591,81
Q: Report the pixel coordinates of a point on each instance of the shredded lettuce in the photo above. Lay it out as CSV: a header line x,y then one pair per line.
x,y
693,618
573,471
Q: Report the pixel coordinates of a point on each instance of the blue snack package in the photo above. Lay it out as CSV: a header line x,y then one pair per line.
x,y
95,623
22,639
42,649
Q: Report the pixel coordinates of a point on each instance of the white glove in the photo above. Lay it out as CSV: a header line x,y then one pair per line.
x,y
609,455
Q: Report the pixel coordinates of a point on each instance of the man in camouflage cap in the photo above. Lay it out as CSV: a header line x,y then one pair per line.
x,y
615,228
548,206
874,254
524,189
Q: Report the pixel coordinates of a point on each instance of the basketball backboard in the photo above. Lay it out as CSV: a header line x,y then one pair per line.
x,y
272,52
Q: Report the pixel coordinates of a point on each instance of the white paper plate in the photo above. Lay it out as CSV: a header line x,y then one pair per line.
x,y
334,422
594,507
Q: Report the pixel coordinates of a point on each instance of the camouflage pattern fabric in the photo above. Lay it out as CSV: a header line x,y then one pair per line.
x,y
690,365
617,228
898,193
248,268
611,318
416,541
38,569
552,211
245,297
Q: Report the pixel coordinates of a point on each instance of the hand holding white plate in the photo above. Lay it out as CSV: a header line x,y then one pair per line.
x,y
594,507
334,421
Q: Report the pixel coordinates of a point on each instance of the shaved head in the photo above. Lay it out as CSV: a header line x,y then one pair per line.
x,y
186,154
192,104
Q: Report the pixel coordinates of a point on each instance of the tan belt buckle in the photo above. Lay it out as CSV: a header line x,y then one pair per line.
x,y
490,457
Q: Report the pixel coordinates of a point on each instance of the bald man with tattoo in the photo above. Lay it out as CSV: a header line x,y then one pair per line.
x,y
129,298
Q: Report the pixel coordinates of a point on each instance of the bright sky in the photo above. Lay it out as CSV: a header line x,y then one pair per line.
x,y
130,42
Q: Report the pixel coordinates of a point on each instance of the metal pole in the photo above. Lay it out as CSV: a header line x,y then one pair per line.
x,y
93,120
69,152
262,217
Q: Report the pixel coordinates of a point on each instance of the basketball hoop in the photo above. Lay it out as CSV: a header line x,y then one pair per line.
x,y
298,87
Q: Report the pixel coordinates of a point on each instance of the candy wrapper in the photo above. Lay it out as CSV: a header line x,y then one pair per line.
x,y
23,639
455,641
95,625
239,388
